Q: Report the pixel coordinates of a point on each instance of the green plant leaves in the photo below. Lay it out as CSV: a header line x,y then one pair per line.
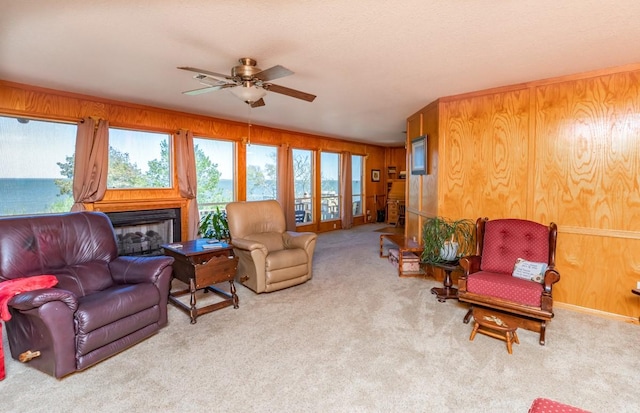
x,y
214,225
438,230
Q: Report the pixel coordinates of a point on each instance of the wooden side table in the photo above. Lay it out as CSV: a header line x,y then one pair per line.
x,y
201,268
404,245
448,291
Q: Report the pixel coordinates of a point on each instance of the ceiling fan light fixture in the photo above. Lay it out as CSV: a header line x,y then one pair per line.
x,y
248,93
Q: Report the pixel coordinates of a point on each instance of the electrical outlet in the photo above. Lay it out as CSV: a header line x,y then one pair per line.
x,y
638,285
335,226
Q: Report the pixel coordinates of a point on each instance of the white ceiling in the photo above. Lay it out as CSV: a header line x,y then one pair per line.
x,y
372,63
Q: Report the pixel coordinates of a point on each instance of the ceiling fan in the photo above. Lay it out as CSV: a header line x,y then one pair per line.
x,y
248,82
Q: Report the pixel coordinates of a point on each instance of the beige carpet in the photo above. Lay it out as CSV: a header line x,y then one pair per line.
x,y
356,338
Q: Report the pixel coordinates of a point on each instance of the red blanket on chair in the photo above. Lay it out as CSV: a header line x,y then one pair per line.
x,y
14,287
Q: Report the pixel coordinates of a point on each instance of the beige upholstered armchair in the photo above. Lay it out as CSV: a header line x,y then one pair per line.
x,y
271,258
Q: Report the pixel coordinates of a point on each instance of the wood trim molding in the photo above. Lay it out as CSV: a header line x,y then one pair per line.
x,y
597,313
597,232
594,232
544,82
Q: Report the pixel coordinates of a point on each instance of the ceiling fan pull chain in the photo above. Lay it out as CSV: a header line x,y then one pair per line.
x,y
249,132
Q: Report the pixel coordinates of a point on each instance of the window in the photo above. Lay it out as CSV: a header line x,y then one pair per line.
x,y
303,184
214,169
36,166
356,184
262,172
138,159
329,180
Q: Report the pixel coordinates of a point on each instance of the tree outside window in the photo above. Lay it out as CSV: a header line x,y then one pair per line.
x,y
215,173
356,183
138,159
262,178
303,184
330,184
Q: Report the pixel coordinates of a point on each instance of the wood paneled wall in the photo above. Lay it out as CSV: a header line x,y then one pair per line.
x,y
29,101
565,150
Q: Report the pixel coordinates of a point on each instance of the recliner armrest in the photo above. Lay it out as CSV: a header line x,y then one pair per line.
x,y
135,270
298,239
29,300
249,245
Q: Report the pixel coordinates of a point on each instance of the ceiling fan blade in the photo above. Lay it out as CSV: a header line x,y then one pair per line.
x,y
218,76
274,72
289,92
207,89
257,103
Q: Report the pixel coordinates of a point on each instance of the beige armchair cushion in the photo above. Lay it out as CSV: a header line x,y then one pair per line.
x,y
271,240
270,257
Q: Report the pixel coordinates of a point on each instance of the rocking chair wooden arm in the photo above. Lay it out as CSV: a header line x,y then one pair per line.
x,y
470,264
551,276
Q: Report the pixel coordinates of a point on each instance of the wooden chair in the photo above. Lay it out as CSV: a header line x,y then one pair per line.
x,y
401,214
487,279
300,215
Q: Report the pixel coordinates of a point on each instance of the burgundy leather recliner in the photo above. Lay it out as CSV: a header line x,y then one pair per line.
x,y
102,303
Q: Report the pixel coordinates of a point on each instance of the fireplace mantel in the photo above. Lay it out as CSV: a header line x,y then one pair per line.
x,y
145,204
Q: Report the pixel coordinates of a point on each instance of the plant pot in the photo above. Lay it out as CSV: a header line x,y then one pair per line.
x,y
449,251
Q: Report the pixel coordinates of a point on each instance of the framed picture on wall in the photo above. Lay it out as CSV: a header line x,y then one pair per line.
x,y
375,175
419,155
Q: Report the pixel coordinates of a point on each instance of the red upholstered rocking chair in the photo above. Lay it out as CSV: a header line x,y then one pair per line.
x,y
488,276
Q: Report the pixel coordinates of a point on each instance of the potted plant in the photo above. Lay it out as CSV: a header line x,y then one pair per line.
x,y
446,240
214,225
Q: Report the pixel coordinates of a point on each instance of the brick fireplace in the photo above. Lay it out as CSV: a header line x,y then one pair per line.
x,y
141,232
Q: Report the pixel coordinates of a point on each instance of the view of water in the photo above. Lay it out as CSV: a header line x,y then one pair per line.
x,y
32,196
29,196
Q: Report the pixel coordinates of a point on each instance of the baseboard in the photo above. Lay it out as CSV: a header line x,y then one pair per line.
x,y
591,311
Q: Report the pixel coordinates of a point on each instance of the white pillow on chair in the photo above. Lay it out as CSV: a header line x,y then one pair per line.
x,y
529,270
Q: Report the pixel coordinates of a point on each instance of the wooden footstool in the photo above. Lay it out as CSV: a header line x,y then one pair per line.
x,y
494,325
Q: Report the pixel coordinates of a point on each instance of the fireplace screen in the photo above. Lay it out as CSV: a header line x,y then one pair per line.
x,y
143,232
143,239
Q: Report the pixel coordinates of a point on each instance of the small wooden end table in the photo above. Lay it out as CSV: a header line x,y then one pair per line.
x,y
448,291
496,325
404,245
200,266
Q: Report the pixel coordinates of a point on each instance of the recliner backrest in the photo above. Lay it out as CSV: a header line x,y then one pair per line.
x,y
255,217
48,244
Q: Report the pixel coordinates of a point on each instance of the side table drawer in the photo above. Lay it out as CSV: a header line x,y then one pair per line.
x,y
219,268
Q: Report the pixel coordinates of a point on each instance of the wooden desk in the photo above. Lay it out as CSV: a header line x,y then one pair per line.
x,y
200,268
404,245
